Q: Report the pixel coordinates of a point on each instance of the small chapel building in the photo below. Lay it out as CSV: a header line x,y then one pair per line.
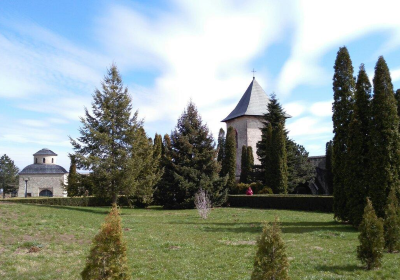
x,y
247,121
44,177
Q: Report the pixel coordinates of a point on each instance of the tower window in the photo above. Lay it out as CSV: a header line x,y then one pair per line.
x,y
44,160
35,160
52,160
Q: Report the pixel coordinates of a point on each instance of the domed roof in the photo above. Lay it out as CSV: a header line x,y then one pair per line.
x,y
43,169
45,152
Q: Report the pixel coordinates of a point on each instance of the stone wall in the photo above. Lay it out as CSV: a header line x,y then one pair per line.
x,y
39,182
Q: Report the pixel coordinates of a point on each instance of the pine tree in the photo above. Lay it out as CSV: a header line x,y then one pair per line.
x,y
8,175
244,165
230,158
329,158
371,239
392,223
343,91
73,180
191,163
250,164
300,169
279,175
357,179
221,151
384,150
271,261
107,259
113,143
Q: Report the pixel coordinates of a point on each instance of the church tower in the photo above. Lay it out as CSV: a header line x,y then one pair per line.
x,y
247,120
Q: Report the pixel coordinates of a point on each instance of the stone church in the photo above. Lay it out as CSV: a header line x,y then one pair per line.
x,y
44,177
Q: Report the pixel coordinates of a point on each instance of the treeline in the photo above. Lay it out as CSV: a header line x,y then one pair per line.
x,y
365,152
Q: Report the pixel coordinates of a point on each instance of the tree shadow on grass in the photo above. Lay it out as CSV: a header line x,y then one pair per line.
x,y
337,268
97,210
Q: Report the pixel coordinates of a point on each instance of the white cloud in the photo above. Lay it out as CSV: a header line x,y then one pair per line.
x,y
34,123
322,109
308,126
395,75
294,109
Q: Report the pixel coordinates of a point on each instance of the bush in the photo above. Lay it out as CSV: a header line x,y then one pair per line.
x,y
271,261
257,187
107,258
265,190
283,201
370,251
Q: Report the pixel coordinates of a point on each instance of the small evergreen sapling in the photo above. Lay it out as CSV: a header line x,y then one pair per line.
x,y
371,238
107,259
392,223
271,261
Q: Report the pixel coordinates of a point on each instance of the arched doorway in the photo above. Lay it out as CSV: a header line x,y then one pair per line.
x,y
46,193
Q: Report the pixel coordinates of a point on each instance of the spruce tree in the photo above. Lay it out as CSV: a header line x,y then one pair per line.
x,y
370,250
8,175
230,158
73,179
328,166
191,163
107,259
279,174
343,92
250,164
357,179
113,143
384,150
244,165
271,261
392,223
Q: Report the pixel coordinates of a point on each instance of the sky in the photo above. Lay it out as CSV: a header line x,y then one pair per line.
x,y
54,54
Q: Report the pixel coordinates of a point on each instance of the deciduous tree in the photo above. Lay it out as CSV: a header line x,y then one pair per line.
x,y
8,175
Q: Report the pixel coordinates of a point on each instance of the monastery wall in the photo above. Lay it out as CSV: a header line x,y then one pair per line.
x,y
39,182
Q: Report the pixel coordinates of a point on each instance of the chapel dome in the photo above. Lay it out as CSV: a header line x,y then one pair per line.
x,y
43,169
45,152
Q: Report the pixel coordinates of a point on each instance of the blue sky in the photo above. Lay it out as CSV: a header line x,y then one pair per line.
x,y
53,54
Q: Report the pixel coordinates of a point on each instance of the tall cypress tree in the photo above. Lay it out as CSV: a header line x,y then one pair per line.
x,y
384,145
244,172
191,162
221,151
329,158
279,175
357,164
157,146
73,184
397,96
230,158
343,92
250,164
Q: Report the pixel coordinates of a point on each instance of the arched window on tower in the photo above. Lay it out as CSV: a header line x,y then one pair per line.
x,y
52,160
44,160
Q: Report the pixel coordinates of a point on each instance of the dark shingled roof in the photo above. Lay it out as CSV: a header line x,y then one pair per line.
x,y
43,169
253,102
45,152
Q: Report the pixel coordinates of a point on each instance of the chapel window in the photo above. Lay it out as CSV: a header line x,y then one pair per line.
x,y
35,160
44,160
52,160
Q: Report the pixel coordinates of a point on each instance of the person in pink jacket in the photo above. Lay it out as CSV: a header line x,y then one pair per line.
x,y
249,191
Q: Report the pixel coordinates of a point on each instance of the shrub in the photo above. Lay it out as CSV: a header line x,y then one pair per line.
x,y
266,190
392,223
371,239
107,258
240,188
202,203
271,261
77,201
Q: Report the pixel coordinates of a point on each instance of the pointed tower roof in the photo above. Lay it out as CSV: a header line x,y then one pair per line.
x,y
253,102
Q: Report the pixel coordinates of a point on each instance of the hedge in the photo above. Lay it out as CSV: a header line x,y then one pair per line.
x,y
73,201
289,202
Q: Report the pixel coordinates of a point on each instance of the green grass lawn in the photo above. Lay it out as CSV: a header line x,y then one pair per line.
x,y
178,244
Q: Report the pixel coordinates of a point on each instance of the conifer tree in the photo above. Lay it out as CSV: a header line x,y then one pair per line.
x,y
384,151
244,173
370,250
329,158
73,181
191,163
392,223
397,96
114,145
264,152
165,187
250,164
279,175
230,158
357,179
157,147
107,259
343,91
221,148
8,175
271,261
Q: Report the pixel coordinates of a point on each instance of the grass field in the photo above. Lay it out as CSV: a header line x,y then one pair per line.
x,y
178,244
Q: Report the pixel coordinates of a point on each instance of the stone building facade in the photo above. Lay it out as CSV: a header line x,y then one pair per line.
x,y
44,177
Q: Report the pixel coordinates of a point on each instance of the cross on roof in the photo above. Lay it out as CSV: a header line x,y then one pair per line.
x,y
254,71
